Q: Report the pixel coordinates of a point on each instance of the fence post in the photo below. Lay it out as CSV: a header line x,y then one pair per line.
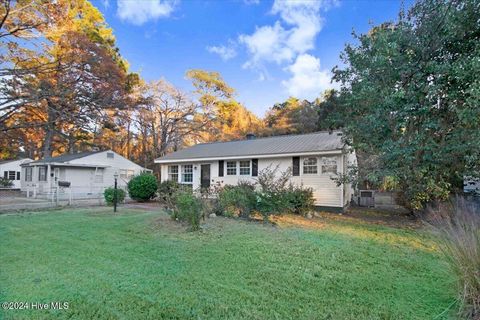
x,y
70,196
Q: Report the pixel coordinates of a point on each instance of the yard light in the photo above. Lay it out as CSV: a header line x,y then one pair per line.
x,y
115,175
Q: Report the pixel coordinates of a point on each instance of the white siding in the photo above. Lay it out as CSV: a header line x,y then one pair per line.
x,y
325,190
86,180
14,166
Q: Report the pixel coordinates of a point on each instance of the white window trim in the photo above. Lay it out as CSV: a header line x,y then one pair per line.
x,y
303,166
249,168
28,177
182,173
236,168
173,173
322,163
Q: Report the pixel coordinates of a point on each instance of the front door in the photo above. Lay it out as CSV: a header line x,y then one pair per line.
x,y
205,176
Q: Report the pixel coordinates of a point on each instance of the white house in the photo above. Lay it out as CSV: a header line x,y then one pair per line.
x,y
88,173
12,170
312,158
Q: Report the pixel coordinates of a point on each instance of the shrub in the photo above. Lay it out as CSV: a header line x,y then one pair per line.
x,y
300,200
458,226
166,191
5,183
238,200
271,197
188,208
143,187
109,195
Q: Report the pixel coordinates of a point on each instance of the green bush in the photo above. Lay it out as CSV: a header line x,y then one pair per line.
x,y
166,191
272,202
109,195
143,187
188,208
5,183
271,197
300,200
238,200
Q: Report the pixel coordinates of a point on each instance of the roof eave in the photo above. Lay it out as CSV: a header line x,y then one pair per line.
x,y
256,156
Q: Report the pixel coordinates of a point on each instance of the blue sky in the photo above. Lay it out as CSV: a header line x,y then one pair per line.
x,y
266,50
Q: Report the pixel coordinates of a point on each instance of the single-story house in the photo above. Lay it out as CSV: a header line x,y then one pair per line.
x,y
86,173
312,158
12,170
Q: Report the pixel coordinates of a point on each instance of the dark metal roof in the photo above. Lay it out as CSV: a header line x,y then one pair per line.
x,y
65,157
313,142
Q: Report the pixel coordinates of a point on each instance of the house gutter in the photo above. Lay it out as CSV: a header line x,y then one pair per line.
x,y
263,156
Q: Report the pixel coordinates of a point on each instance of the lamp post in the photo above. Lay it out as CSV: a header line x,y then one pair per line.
x,y
115,175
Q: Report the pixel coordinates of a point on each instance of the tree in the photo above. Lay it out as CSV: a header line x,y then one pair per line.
x,y
410,93
83,81
223,117
292,117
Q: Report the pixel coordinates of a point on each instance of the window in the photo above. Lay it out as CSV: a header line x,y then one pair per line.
x,y
126,174
42,173
173,173
231,168
28,174
110,155
11,175
99,175
187,173
245,168
329,165
310,166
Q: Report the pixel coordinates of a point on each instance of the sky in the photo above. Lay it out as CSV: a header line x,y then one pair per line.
x,y
266,50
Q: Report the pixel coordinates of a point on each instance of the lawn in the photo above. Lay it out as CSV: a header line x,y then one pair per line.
x,y
142,265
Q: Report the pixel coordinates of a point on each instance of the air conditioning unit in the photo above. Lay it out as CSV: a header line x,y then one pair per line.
x,y
366,198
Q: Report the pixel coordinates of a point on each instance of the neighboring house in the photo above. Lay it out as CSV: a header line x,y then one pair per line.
x,y
12,170
312,158
88,173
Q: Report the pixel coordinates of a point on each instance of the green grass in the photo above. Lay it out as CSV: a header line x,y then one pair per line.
x,y
142,265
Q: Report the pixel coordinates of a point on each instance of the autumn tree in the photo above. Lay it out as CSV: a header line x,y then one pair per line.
x,y
85,79
293,116
223,118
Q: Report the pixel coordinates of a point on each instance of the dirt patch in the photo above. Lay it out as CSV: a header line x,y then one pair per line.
x,y
375,216
146,206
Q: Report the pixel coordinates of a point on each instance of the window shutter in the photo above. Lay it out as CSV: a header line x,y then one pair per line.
x,y
18,175
254,167
296,166
220,168
5,174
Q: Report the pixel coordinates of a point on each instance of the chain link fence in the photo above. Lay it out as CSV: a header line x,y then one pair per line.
x,y
33,198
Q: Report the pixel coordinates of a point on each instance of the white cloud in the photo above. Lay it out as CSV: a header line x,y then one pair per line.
x,y
308,80
293,34
225,52
139,12
267,43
